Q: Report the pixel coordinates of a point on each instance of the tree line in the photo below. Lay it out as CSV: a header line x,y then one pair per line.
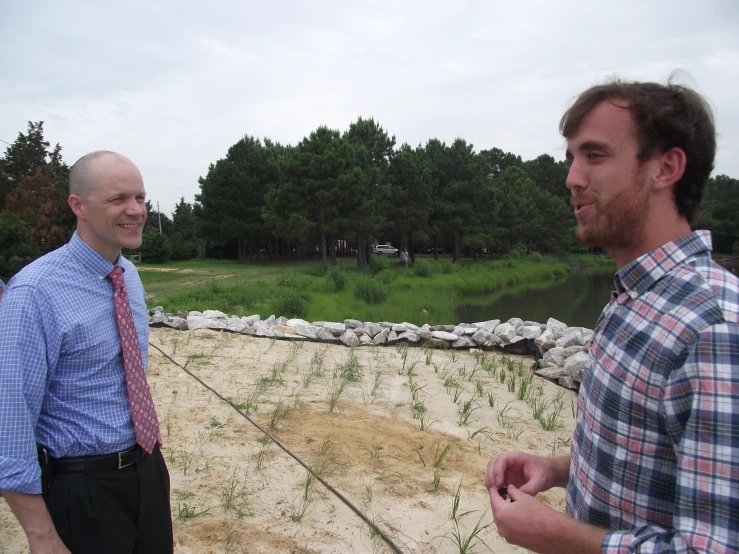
x,y
331,194
341,192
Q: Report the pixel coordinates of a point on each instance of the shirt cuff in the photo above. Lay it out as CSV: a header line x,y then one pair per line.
x,y
20,476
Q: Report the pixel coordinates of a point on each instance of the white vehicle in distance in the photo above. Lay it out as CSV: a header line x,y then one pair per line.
x,y
385,249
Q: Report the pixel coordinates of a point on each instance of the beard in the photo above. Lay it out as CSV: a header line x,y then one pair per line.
x,y
618,222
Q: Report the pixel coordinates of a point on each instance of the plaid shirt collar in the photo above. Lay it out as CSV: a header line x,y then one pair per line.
x,y
638,276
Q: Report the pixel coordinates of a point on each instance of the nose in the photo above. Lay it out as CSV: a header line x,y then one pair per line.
x,y
135,208
576,177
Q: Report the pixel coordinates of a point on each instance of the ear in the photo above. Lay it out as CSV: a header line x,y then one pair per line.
x,y
77,205
670,168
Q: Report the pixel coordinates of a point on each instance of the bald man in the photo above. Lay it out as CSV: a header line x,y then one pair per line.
x,y
76,467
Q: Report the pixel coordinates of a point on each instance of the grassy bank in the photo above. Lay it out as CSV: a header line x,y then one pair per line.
x,y
429,292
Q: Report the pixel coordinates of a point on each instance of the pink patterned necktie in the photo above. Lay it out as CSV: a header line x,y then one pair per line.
x,y
145,422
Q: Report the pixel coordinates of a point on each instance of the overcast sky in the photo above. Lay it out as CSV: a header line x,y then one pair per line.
x,y
173,84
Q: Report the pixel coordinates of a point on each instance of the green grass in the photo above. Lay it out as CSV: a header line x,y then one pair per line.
x,y
268,288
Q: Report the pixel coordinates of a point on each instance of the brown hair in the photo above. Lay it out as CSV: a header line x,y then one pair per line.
x,y
666,116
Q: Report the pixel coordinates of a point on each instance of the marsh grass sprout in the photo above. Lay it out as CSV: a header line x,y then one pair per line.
x,y
279,412
457,393
466,411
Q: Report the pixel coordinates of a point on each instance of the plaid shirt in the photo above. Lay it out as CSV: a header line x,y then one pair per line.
x,y
655,455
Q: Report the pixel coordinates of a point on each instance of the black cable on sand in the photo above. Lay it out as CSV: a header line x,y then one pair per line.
x,y
338,495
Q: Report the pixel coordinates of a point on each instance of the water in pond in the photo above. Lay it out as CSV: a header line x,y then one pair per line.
x,y
576,300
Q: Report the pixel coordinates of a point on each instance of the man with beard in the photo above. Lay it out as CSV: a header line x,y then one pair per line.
x,y
654,463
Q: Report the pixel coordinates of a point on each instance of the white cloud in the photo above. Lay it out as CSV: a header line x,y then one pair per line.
x,y
174,84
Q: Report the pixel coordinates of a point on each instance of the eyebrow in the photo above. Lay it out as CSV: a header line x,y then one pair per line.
x,y
117,196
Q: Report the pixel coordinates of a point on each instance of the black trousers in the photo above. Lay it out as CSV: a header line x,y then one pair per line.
x,y
124,511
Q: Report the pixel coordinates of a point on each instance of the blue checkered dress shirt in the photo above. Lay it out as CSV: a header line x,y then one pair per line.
x,y
655,455
61,369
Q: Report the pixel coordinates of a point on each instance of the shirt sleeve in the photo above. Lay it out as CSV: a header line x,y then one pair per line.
x,y
701,406
23,373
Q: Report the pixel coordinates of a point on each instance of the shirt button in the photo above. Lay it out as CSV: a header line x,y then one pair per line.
x,y
633,294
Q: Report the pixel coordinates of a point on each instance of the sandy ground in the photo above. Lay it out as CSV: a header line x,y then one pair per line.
x,y
235,491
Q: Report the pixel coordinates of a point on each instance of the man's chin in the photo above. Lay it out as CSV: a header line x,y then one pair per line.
x,y
588,239
131,244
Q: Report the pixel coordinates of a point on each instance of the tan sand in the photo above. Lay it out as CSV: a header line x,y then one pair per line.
x,y
369,448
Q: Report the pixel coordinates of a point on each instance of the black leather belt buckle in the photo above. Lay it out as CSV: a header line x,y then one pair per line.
x,y
126,459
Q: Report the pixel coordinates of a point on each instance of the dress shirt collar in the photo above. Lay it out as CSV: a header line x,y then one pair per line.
x,y
93,262
639,275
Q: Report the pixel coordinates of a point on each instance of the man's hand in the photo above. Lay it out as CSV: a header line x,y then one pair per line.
x,y
553,532
30,509
514,518
531,474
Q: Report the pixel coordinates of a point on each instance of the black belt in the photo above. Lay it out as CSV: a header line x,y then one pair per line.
x,y
106,462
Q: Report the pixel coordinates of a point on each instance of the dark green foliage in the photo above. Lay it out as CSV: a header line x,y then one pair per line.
x,y
721,212
291,280
410,193
423,268
530,216
446,266
184,232
316,271
24,158
370,290
536,257
181,249
366,191
154,247
354,186
288,302
34,185
497,161
549,175
16,248
288,296
378,263
232,195
385,276
335,280
307,200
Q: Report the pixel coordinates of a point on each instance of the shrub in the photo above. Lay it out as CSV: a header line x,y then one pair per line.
x,y
181,249
378,263
370,290
422,268
536,257
385,276
335,280
317,271
290,280
446,266
288,302
154,247
16,246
